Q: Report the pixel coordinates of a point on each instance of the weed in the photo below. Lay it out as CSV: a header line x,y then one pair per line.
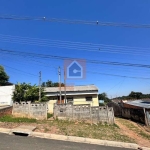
x,y
18,120
49,115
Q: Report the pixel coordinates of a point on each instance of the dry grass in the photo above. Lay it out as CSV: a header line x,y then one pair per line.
x,y
82,129
134,128
70,128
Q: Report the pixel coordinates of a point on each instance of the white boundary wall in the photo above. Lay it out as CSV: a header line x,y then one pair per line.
x,y
6,93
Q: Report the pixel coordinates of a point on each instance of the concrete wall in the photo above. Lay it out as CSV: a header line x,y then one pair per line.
x,y
84,112
30,110
6,93
5,111
77,100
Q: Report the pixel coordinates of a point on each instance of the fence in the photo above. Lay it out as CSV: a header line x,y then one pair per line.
x,y
116,108
30,110
137,115
85,112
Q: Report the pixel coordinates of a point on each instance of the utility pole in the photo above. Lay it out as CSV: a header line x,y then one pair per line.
x,y
40,86
65,84
59,78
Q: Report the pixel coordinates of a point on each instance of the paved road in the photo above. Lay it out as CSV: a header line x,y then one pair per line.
x,y
12,142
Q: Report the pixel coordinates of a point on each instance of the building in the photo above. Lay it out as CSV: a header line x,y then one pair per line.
x,y
138,110
75,95
6,93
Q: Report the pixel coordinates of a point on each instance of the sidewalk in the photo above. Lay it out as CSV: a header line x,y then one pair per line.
x,y
79,139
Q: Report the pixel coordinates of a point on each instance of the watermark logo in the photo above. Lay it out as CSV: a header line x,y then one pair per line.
x,y
75,69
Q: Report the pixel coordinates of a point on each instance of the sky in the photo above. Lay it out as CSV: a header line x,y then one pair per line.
x,y
132,45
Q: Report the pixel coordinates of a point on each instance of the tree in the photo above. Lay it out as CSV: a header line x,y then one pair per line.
x,y
28,92
49,83
103,96
3,76
136,95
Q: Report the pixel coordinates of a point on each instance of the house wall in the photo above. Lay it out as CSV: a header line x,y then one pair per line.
x,y
6,93
81,99
77,100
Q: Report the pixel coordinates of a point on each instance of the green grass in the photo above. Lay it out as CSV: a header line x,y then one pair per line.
x,y
97,131
49,115
16,120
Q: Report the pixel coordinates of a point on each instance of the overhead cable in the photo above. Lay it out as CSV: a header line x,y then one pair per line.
x,y
69,21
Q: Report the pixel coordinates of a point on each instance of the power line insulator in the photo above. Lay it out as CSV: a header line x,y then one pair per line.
x,y
96,22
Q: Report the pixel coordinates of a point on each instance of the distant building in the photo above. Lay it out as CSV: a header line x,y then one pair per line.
x,y
6,93
138,110
75,95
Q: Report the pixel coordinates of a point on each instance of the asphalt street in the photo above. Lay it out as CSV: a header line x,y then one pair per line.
x,y
13,142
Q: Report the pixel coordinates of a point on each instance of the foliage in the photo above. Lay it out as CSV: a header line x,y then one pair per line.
x,y
103,96
49,115
13,119
49,83
101,104
3,76
135,95
27,92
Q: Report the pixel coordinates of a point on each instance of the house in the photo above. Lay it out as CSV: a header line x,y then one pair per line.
x,y
75,95
6,93
138,110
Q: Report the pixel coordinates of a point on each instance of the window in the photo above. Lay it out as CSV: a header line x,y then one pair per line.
x,y
70,100
89,98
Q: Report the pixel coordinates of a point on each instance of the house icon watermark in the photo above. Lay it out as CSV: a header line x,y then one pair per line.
x,y
75,69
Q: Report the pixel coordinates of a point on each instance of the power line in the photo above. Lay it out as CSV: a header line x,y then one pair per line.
x,y
67,21
43,64
79,46
64,58
124,76
95,68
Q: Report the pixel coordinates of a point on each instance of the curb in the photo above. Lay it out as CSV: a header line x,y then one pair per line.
x,y
80,139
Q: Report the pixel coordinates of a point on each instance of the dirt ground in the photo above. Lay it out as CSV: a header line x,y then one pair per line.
x,y
123,130
139,132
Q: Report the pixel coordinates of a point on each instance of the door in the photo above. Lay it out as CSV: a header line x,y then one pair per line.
x,y
60,101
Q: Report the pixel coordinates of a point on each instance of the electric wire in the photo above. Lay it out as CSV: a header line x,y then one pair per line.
x,y
68,21
91,47
68,58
